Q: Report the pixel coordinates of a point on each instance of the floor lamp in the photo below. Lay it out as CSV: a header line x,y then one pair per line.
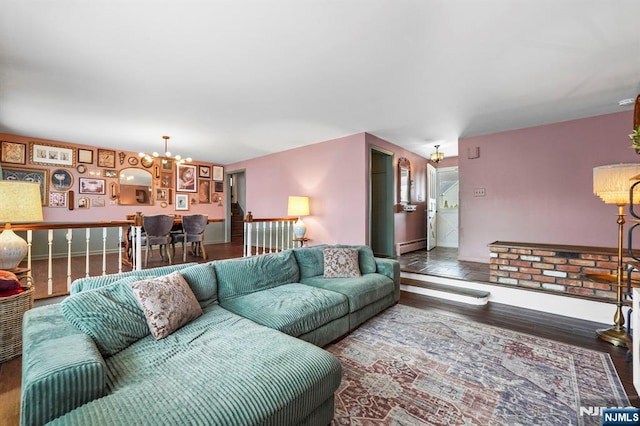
x,y
612,183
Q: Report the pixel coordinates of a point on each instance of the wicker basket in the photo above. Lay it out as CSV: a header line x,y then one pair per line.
x,y
12,309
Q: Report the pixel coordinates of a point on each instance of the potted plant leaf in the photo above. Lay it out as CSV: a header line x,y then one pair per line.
x,y
635,139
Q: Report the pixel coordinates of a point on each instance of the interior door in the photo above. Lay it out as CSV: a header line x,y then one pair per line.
x,y
432,206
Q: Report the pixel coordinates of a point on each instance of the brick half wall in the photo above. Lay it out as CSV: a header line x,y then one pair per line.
x,y
557,269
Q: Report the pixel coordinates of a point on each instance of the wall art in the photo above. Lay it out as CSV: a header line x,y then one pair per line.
x,y
83,202
14,152
204,172
218,173
51,155
204,191
61,180
57,199
182,201
85,156
106,158
97,202
186,178
92,186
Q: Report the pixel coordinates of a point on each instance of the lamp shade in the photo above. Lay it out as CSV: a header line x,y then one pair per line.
x,y
20,202
611,183
298,206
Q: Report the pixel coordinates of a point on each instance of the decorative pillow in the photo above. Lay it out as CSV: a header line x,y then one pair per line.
x,y
167,302
341,262
8,281
109,314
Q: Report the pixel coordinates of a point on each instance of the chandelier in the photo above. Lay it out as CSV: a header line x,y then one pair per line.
x,y
437,156
166,157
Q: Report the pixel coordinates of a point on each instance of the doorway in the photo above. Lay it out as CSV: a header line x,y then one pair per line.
x,y
381,223
448,203
236,206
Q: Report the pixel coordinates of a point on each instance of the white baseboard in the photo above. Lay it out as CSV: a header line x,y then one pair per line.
x,y
407,246
573,307
445,295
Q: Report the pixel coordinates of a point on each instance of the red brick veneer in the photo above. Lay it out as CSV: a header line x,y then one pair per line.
x,y
558,269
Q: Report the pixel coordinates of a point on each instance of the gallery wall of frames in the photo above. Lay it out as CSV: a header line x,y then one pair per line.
x,y
84,182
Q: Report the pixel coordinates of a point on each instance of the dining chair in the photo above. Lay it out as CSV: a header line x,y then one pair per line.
x,y
193,227
158,230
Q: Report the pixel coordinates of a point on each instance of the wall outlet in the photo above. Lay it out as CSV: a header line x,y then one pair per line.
x,y
479,192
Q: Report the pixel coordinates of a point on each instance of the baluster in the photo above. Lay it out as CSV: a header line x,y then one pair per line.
x,y
104,251
247,239
86,254
120,248
29,245
49,261
138,246
276,235
258,236
69,241
270,237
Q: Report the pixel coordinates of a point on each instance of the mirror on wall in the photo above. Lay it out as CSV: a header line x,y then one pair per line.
x,y
135,187
404,181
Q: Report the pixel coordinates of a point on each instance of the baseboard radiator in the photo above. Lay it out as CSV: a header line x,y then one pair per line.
x,y
407,246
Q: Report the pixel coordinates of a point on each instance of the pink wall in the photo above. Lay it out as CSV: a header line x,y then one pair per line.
x,y
539,184
331,173
110,211
334,174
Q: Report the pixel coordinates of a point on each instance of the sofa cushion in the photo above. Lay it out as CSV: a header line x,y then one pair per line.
x,y
294,309
360,291
167,302
310,260
237,277
203,282
341,262
220,369
366,259
109,314
91,283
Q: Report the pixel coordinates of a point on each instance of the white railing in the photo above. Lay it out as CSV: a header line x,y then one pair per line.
x,y
268,235
45,251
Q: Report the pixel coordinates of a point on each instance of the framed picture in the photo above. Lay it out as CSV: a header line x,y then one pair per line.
x,y
162,194
182,201
83,202
186,178
61,180
51,155
219,186
14,152
204,191
29,175
218,173
57,199
97,202
204,172
167,165
110,173
133,161
92,186
166,180
85,156
106,158
95,172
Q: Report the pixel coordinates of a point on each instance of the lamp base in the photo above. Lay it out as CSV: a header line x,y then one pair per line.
x,y
299,229
616,335
12,249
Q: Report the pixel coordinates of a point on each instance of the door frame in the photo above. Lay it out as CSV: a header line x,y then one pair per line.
x,y
389,188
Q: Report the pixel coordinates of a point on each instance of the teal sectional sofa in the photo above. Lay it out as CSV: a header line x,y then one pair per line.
x,y
253,357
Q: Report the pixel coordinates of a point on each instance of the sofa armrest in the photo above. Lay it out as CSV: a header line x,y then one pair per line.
x,y
390,268
61,367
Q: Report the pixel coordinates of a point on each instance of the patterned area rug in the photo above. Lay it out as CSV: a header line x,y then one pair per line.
x,y
412,367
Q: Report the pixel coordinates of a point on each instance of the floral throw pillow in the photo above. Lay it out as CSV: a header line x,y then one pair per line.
x,y
167,302
341,262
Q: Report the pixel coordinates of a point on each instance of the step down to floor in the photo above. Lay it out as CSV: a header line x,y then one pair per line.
x,y
444,291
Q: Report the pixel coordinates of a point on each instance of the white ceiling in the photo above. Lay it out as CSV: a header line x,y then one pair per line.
x,y
232,79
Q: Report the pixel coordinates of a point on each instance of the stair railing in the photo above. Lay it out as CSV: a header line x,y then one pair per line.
x,y
267,235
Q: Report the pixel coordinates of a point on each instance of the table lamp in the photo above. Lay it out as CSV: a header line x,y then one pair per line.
x,y
21,202
612,183
298,206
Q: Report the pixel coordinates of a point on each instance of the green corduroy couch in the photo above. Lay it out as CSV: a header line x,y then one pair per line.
x,y
253,357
